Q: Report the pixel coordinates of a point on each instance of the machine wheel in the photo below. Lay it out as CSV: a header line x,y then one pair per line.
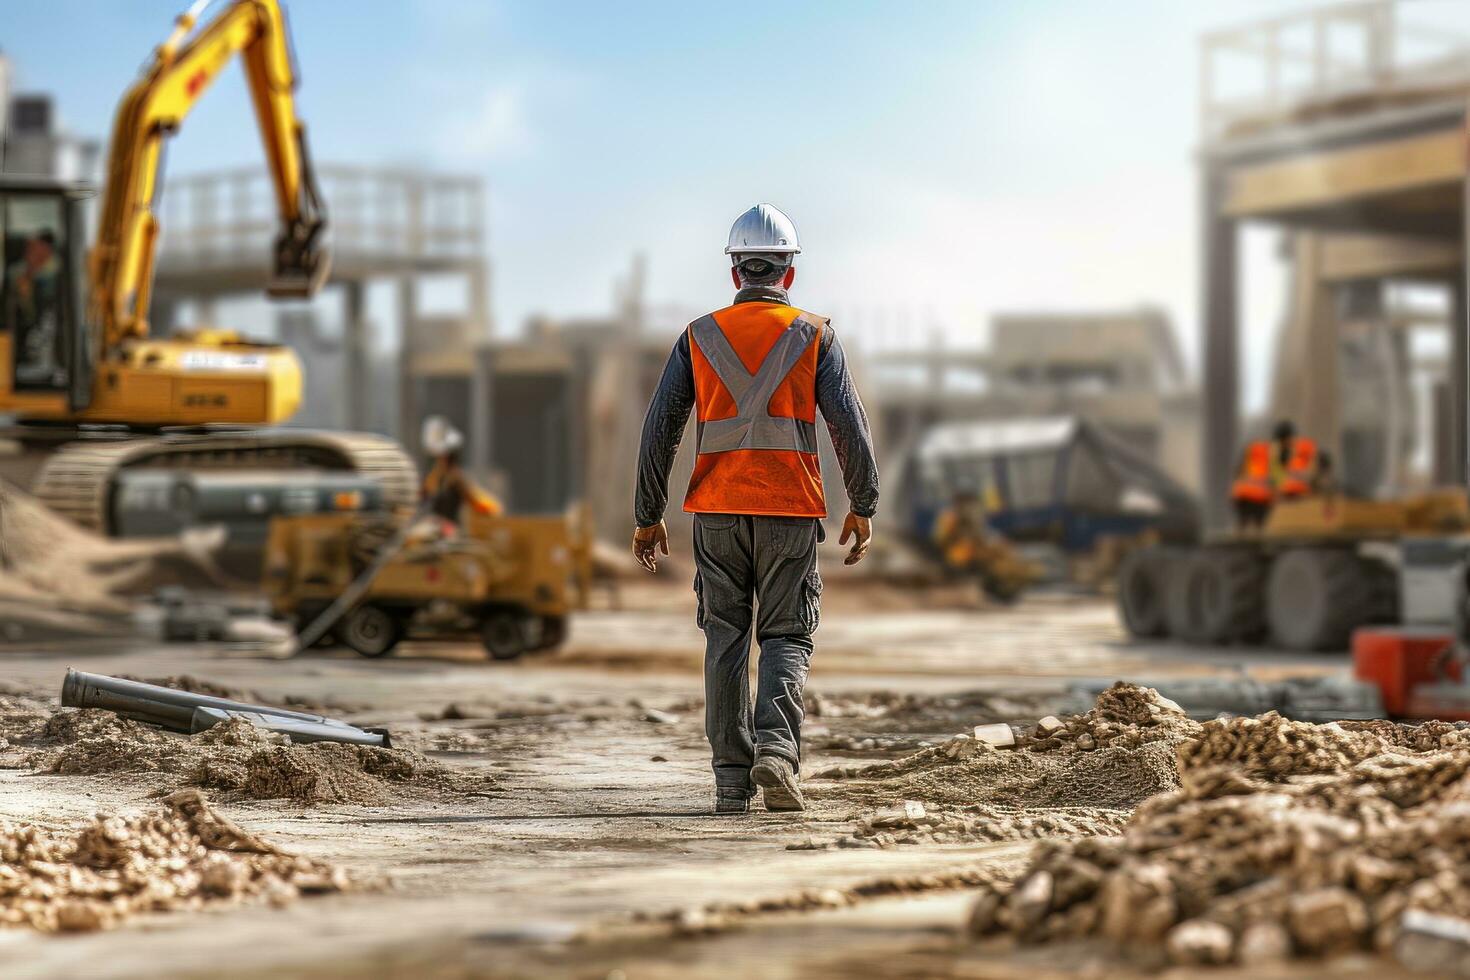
x,y
370,630
553,632
503,635
1143,579
1316,597
1214,596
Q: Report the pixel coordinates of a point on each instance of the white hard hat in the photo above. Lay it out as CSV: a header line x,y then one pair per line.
x,y
763,229
440,436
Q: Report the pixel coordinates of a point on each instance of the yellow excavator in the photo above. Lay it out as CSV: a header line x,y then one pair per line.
x,y
93,394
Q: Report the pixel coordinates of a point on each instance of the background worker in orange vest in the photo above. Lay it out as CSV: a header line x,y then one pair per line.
x,y
1296,462
447,488
1254,490
756,373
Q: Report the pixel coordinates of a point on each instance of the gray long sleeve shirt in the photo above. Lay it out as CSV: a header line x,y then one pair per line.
x,y
837,399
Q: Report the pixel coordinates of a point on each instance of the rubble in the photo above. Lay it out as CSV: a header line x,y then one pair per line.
x,y
1432,943
1283,838
186,856
998,735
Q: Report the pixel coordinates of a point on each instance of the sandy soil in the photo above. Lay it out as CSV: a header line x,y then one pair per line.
x,y
597,821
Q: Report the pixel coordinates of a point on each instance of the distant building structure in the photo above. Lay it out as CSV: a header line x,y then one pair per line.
x,y
32,138
565,403
1344,126
1120,370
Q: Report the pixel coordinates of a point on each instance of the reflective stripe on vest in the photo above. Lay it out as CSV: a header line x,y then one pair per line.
x,y
755,394
753,427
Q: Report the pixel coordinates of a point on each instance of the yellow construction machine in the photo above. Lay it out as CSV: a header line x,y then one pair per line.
x,y
372,580
94,394
1321,567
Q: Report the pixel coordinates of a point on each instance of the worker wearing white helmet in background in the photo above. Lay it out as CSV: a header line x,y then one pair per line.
x,y
447,488
756,373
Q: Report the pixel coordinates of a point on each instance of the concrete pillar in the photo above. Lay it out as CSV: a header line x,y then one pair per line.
x,y
482,394
1219,347
355,353
1459,378
408,408
479,303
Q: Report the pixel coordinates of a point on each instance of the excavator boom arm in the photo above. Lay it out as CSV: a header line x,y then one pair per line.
x,y
182,68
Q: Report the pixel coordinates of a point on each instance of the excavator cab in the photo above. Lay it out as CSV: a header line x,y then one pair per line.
x,y
45,339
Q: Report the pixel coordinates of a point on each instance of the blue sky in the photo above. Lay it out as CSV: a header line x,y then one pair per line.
x,y
942,160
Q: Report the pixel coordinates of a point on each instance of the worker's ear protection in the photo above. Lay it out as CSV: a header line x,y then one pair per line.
x,y
735,276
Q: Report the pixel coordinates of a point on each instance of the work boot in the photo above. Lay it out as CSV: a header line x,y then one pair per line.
x,y
777,779
731,801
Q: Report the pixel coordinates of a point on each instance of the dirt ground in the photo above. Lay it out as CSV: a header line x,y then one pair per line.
x,y
589,846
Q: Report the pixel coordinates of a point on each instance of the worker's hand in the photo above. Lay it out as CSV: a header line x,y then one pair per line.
x,y
647,541
860,529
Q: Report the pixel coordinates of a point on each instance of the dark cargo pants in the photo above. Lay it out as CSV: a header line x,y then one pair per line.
x,y
755,575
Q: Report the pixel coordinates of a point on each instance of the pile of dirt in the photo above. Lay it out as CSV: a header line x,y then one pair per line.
x,y
186,856
22,716
1114,756
914,823
236,758
49,567
1284,838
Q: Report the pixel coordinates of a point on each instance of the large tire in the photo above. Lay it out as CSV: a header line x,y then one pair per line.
x,y
1143,578
1214,596
371,630
1316,597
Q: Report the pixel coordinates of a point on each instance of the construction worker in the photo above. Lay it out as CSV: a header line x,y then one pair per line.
x,y
447,488
33,305
969,547
756,373
1253,491
1296,462
960,530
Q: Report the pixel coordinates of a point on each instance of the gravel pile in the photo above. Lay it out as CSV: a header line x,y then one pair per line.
x,y
1284,838
185,856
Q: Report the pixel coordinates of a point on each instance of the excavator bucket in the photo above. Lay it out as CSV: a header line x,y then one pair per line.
x,y
299,279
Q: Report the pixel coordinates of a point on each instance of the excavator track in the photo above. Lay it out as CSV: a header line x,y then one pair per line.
x,y
78,479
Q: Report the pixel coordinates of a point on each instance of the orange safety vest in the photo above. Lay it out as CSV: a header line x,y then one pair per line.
x,y
755,396
1254,481
1301,468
